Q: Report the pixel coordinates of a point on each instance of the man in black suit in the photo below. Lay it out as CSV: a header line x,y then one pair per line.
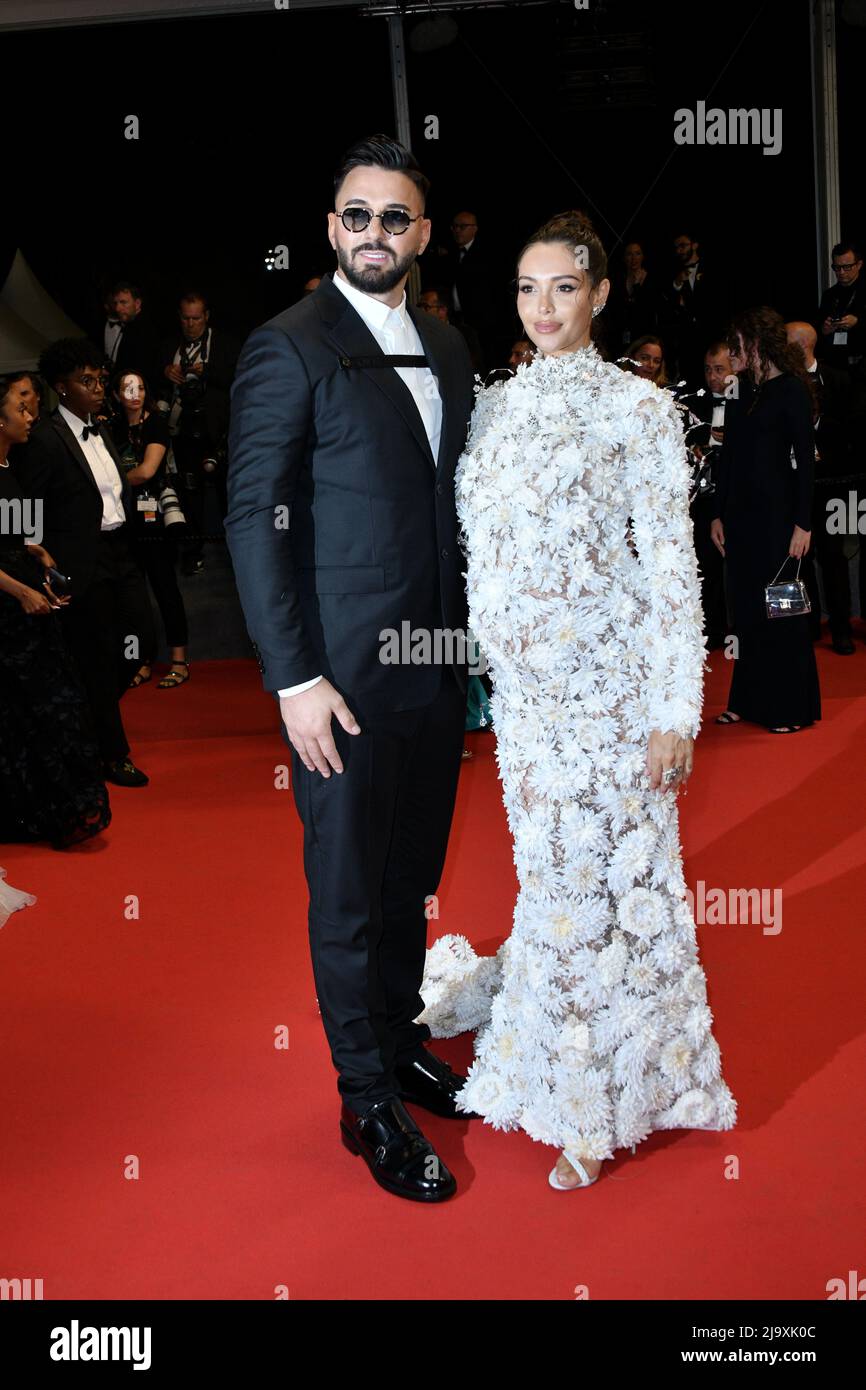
x,y
690,310
705,431
349,412
135,346
842,311
834,398
477,289
197,375
71,468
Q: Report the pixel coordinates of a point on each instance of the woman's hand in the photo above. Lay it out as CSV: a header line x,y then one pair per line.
x,y
800,542
32,602
41,554
717,534
57,600
668,751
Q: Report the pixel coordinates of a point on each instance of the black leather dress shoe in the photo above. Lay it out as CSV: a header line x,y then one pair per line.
x,y
396,1152
123,773
430,1082
844,646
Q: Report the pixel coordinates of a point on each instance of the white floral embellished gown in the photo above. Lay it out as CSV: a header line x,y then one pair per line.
x,y
593,1023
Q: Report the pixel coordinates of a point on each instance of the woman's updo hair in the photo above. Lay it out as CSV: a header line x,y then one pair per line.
x,y
573,229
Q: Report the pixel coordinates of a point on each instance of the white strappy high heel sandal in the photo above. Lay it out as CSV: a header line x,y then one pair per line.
x,y
585,1179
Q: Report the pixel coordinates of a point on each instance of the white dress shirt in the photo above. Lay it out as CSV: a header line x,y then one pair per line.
x,y
104,471
692,274
396,334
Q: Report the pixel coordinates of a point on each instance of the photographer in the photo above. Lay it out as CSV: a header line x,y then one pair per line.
x,y
199,374
840,315
141,436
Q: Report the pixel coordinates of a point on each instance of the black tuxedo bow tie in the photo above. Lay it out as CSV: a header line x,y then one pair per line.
x,y
89,430
114,323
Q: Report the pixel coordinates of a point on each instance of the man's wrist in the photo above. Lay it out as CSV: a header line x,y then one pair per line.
x,y
297,689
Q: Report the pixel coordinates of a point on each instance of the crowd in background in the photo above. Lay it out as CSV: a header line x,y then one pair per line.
x,y
122,436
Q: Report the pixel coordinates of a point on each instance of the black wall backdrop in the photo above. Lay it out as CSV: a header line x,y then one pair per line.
x,y
538,109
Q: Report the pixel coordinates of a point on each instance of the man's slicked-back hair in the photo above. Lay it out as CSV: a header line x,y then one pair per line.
x,y
381,152
62,358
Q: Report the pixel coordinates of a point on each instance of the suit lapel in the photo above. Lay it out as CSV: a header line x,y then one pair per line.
x,y
439,367
74,448
353,339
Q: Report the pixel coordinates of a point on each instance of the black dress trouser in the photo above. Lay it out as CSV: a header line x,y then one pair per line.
x,y
832,552
155,554
108,628
375,837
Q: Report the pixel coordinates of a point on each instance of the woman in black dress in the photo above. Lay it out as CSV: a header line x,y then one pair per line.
x,y
51,787
142,438
764,510
633,303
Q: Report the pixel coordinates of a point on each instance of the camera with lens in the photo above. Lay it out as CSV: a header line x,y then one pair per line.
x,y
170,508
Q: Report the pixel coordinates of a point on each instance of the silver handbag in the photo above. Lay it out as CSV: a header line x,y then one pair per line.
x,y
788,599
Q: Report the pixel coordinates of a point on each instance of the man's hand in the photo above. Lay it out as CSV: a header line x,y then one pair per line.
x,y
307,717
828,326
174,373
800,542
668,751
717,535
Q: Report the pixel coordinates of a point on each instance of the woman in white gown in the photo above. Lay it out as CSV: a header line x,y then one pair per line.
x,y
572,494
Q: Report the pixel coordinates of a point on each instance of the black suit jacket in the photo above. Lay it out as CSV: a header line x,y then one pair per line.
x,y
834,397
485,301
221,365
53,468
138,351
372,539
689,319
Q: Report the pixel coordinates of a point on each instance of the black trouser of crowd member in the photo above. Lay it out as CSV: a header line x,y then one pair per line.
x,y
190,452
107,628
156,554
832,550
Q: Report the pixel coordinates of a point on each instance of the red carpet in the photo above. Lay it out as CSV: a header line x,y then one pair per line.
x,y
154,1038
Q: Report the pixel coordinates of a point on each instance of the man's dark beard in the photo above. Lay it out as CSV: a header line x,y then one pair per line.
x,y
374,279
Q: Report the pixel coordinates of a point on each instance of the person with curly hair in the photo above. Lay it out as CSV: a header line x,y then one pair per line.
x,y
71,468
763,521
51,787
